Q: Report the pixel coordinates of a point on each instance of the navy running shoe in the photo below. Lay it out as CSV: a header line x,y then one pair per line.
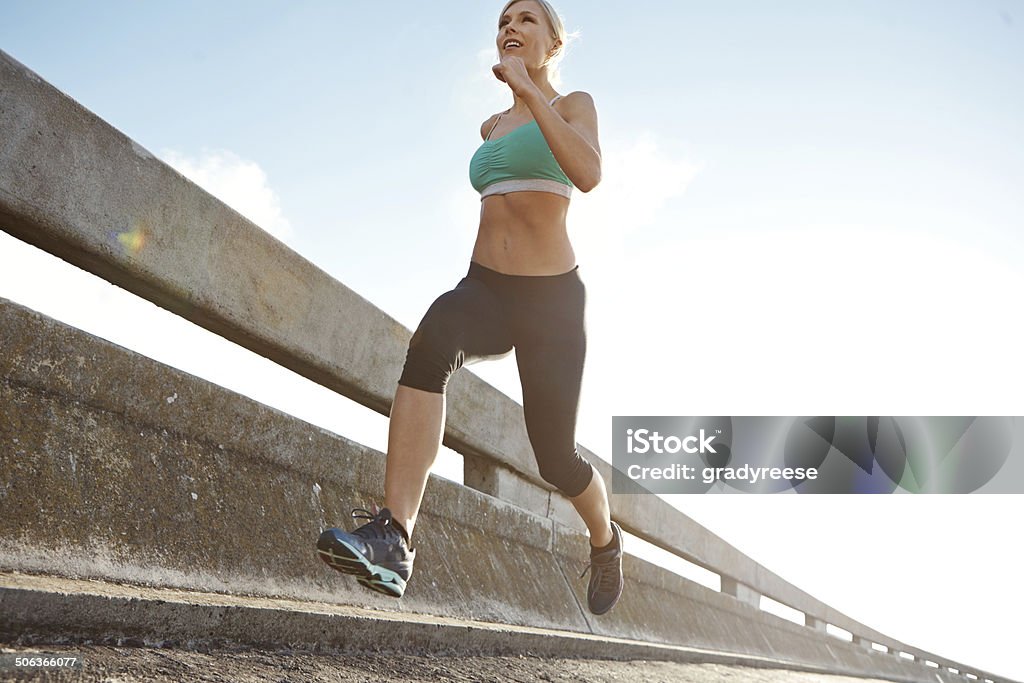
x,y
605,575
377,553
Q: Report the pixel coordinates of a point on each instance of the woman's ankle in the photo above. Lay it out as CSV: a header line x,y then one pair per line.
x,y
405,526
603,546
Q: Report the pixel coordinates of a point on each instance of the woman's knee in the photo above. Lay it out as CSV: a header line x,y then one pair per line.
x,y
432,356
571,475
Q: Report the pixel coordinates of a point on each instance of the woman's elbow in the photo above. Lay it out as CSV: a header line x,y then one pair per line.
x,y
589,180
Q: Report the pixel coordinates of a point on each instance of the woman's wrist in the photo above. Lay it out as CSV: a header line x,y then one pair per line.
x,y
533,97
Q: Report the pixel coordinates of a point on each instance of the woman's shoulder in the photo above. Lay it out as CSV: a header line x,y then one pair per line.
x,y
578,101
577,96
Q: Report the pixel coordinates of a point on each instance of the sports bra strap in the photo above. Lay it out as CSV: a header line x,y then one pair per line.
x,y
550,104
495,125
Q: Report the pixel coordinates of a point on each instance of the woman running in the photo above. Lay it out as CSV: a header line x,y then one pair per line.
x,y
523,291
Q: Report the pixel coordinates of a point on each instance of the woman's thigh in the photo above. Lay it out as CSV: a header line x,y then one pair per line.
x,y
551,346
462,326
477,321
551,373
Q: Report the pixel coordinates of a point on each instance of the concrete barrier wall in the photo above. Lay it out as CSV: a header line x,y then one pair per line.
x,y
71,184
117,467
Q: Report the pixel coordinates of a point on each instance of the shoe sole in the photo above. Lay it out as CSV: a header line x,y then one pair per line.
x,y
339,555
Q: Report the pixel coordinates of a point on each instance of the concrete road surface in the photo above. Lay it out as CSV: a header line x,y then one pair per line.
x,y
137,664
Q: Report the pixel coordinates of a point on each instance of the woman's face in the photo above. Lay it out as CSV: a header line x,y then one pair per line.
x,y
526,24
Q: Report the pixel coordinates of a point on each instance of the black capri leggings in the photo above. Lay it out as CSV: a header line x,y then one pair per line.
x,y
483,318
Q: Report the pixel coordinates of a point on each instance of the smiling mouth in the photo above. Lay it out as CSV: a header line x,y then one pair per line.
x,y
511,44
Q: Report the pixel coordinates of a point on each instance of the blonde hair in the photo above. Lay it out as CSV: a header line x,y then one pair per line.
x,y
557,28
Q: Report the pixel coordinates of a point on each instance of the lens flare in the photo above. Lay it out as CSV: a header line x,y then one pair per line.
x,y
133,240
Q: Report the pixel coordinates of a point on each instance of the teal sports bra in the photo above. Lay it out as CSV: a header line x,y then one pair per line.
x,y
519,161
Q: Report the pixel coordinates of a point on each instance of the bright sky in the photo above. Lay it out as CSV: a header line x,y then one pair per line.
x,y
808,208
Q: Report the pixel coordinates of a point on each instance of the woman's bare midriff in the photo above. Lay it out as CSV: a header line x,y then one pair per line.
x,y
523,233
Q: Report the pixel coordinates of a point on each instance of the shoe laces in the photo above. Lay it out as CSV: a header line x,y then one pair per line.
x,y
379,526
605,568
